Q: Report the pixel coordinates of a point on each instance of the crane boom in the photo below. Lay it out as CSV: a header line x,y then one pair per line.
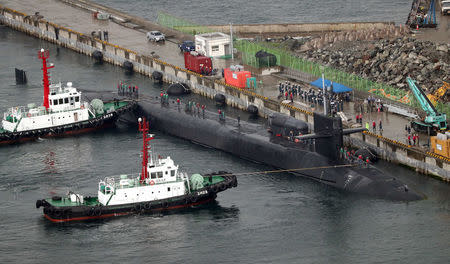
x,y
433,117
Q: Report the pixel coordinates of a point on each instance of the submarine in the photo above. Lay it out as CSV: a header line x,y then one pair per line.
x,y
311,155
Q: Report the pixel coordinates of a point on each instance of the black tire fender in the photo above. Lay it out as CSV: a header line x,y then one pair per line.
x,y
138,207
235,183
57,212
98,211
147,206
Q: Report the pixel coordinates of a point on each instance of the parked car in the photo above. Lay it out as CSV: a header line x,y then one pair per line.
x,y
155,36
187,46
445,7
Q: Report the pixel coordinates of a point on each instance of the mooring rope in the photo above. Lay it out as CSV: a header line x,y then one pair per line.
x,y
287,170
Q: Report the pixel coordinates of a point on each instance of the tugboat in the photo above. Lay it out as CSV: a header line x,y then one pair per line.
x,y
62,113
159,187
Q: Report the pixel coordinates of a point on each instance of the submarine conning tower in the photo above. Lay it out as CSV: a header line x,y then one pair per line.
x,y
328,135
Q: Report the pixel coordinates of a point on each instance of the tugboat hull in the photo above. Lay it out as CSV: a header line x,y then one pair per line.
x,y
97,211
100,122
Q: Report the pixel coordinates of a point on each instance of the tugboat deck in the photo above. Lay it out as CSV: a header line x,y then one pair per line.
x,y
65,201
114,105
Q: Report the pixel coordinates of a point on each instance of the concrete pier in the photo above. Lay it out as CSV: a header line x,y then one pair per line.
x,y
71,27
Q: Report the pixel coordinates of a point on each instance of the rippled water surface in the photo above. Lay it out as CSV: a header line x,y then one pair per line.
x,y
275,218
269,11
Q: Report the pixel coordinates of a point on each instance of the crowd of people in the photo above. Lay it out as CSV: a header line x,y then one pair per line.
x,y
289,91
412,139
128,90
350,155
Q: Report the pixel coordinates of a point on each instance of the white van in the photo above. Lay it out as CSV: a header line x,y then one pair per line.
x,y
445,7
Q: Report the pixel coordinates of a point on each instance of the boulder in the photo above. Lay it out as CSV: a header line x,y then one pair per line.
x,y
443,48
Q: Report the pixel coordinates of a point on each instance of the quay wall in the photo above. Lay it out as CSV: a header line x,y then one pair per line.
x,y
251,29
388,149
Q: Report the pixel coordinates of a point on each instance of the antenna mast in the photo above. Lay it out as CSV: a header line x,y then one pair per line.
x,y
144,127
43,55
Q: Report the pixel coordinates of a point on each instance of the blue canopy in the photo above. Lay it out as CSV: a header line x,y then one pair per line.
x,y
337,87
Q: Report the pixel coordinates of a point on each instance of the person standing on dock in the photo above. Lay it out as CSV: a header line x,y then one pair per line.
x,y
203,111
374,126
380,126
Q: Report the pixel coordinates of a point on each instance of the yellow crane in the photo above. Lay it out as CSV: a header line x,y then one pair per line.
x,y
440,94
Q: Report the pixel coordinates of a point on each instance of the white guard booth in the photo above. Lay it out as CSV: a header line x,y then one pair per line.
x,y
214,44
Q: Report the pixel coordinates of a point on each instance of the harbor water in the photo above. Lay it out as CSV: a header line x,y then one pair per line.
x,y
268,218
269,12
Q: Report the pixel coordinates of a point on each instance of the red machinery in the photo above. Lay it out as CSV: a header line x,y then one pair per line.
x,y
197,63
236,77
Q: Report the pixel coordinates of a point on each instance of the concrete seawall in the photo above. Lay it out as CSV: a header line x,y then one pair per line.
x,y
236,97
290,29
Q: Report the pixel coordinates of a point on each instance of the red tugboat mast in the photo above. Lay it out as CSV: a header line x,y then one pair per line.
x,y
43,55
143,127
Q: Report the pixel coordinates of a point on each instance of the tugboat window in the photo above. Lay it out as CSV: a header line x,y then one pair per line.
x,y
160,174
66,100
168,189
61,101
77,99
55,102
153,175
172,173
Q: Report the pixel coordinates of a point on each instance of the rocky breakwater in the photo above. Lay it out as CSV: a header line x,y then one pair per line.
x,y
385,57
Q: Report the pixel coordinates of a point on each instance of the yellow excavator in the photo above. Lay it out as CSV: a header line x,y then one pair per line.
x,y
441,94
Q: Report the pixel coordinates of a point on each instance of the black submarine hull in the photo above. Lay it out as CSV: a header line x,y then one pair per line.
x,y
244,141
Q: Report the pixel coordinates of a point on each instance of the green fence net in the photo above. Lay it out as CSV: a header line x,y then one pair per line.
x,y
181,24
287,59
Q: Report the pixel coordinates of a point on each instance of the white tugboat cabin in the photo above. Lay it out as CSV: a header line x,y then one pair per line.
x,y
61,106
65,107
163,181
158,180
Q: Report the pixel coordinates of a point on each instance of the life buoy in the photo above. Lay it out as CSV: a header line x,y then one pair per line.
x,y
29,114
152,182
